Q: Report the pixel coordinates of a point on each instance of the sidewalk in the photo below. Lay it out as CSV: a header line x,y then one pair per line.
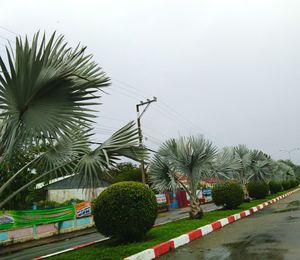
x,y
85,235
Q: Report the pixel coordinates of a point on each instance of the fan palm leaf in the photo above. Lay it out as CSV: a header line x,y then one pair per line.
x,y
46,88
226,164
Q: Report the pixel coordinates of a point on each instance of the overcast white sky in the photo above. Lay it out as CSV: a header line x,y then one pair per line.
x,y
227,69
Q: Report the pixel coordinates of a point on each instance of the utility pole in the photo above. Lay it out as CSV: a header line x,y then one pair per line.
x,y
139,116
289,152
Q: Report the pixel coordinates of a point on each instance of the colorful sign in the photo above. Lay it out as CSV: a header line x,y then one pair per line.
x,y
207,192
83,209
161,199
24,218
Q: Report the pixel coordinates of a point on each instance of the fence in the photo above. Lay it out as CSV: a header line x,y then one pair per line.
x,y
24,225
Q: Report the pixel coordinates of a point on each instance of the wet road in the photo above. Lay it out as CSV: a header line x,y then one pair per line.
x,y
273,233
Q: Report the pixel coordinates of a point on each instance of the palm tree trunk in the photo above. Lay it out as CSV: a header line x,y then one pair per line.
x,y
196,210
246,193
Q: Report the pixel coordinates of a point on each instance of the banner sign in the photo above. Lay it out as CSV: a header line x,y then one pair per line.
x,y
83,209
161,198
23,218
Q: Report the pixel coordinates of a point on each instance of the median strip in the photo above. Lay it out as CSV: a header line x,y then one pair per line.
x,y
167,246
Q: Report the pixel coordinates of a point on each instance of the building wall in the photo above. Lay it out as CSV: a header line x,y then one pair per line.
x,y
63,195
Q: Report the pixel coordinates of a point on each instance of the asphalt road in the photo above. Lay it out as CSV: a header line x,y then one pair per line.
x,y
53,247
273,233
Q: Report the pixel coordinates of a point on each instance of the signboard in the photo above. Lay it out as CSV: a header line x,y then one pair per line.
x,y
161,199
207,192
83,209
23,218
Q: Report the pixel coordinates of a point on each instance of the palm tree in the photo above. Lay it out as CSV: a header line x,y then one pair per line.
x,y
254,165
226,165
261,166
282,171
46,91
191,157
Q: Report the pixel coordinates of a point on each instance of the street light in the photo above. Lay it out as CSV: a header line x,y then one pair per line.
x,y
290,151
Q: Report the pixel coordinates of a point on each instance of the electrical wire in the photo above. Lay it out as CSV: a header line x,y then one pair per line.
x,y
165,109
8,30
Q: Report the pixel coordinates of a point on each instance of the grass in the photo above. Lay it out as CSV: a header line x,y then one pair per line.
x,y
109,249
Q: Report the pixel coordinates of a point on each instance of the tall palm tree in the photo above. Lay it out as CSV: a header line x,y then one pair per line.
x,y
191,157
46,91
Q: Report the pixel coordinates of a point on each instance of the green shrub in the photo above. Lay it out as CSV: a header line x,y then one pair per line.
x,y
286,185
47,204
258,189
275,186
294,183
125,210
125,172
228,194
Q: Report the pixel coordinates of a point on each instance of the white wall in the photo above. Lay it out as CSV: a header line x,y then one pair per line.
x,y
63,195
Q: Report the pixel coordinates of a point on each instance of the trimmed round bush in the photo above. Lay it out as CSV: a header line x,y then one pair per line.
x,y
228,194
275,186
258,189
125,211
286,185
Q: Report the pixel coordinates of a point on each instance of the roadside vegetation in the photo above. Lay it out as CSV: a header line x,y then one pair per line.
x,y
129,221
46,123
184,162
112,249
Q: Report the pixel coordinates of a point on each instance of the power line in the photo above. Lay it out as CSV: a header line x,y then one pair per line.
x,y
8,30
167,110
111,118
9,40
161,101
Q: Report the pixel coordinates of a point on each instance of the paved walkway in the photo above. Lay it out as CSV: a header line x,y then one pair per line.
x,y
272,233
53,244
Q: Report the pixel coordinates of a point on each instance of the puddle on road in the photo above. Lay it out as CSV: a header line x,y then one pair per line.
x,y
292,206
295,203
251,247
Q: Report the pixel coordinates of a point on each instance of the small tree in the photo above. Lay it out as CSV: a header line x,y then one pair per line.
x,y
125,172
188,157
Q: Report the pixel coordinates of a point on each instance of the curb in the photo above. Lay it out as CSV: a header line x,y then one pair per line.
x,y
167,246
71,249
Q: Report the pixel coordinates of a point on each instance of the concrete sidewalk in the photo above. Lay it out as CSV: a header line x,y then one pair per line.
x,y
35,248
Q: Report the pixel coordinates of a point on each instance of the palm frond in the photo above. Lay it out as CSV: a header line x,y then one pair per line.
x,y
161,175
45,90
94,164
226,164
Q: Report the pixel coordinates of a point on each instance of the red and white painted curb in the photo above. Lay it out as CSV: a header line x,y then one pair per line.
x,y
167,246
